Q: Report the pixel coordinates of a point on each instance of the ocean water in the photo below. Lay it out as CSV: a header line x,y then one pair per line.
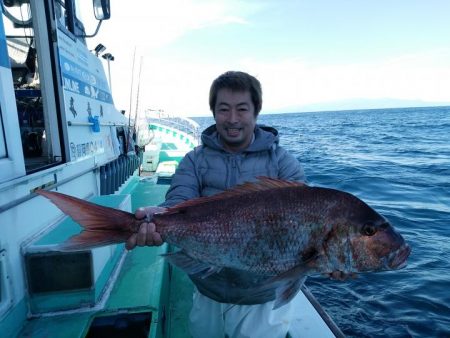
x,y
398,161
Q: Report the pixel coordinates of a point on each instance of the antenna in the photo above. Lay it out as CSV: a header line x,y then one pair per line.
x,y
131,88
137,94
137,105
127,141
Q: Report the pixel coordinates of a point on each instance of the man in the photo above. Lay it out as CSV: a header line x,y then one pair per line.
x,y
234,150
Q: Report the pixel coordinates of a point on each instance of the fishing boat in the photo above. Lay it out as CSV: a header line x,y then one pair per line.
x,y
170,138
60,130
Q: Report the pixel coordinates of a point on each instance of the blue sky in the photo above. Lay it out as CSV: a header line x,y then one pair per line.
x,y
308,55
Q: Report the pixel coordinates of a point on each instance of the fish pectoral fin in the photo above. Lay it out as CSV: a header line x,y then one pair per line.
x,y
286,286
286,292
191,265
288,283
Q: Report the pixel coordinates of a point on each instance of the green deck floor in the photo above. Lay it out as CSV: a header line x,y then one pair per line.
x,y
140,281
180,301
181,288
147,193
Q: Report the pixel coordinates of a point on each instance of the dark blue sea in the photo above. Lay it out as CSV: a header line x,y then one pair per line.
x,y
398,161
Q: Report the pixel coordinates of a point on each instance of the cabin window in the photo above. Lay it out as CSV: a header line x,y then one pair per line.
x,y
72,23
32,84
52,272
60,13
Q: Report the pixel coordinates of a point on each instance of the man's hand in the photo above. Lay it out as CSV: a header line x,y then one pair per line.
x,y
147,235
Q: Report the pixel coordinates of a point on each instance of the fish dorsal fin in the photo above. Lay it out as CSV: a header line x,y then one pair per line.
x,y
263,184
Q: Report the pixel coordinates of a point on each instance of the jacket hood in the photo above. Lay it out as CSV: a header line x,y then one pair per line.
x,y
265,138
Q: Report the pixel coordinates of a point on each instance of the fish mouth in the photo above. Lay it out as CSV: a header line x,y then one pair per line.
x,y
397,259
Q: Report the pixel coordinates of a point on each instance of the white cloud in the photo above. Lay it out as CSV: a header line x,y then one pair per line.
x,y
159,23
151,26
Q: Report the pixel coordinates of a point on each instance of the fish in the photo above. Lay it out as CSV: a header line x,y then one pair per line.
x,y
273,228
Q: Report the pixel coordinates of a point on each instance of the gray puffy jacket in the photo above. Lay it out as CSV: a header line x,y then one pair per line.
x,y
210,169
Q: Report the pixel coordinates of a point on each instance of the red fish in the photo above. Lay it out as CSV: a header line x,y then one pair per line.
x,y
279,229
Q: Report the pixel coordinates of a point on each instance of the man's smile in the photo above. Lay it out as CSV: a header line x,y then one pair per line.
x,y
233,131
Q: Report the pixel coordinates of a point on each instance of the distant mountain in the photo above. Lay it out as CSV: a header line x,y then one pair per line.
x,y
357,104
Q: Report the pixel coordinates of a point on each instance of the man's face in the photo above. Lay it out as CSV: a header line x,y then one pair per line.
x,y
235,118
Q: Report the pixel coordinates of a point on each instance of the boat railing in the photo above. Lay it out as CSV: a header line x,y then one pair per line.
x,y
180,123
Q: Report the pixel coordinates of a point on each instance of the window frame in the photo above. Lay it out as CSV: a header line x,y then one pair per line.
x,y
12,163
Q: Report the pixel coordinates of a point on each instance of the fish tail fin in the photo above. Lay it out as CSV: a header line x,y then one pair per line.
x,y
92,239
102,225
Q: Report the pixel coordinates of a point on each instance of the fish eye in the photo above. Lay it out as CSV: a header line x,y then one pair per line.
x,y
369,229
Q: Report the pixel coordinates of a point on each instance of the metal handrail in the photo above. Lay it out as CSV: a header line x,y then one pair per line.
x,y
184,124
88,124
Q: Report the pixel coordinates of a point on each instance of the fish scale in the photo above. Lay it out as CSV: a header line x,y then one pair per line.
x,y
267,239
